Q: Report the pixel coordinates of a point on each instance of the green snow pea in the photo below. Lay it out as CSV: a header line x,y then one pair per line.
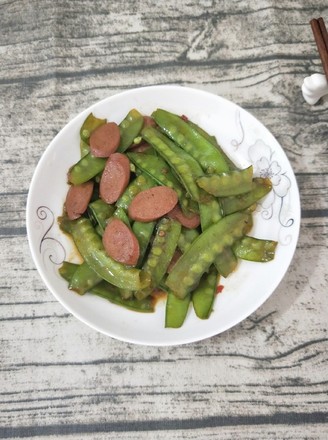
x,y
210,212
107,291
226,262
90,246
163,146
204,294
83,279
84,148
143,232
140,183
260,188
114,295
212,140
160,254
186,238
122,215
202,132
99,230
130,128
255,249
203,252
209,157
86,168
100,211
67,270
194,166
89,125
227,184
126,294
176,310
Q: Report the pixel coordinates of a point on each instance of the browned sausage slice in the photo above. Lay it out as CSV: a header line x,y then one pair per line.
x,y
115,177
77,199
152,203
140,148
120,243
149,121
105,140
190,222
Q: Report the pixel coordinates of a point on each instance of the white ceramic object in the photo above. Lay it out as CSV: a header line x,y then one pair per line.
x,y
245,140
314,87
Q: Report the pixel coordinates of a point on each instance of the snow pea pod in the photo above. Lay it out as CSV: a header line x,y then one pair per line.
x,y
191,141
186,238
203,252
83,279
89,125
195,168
113,294
160,171
140,183
255,249
227,184
176,310
100,211
204,294
109,292
99,230
67,270
84,148
126,294
260,188
85,169
202,132
130,128
210,212
143,232
226,262
212,140
163,146
161,253
90,246
122,215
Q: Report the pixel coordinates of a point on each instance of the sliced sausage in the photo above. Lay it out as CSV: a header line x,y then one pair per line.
x,y
149,122
115,177
190,222
105,140
140,148
120,243
77,199
152,203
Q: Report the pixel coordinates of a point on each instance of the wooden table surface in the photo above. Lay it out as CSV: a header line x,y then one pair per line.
x,y
266,378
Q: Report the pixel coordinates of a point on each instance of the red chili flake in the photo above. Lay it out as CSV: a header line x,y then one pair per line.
x,y
219,289
184,118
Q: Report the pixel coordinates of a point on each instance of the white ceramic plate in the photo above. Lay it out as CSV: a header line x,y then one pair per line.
x,y
245,140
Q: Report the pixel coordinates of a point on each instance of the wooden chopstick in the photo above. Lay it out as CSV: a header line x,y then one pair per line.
x,y
321,38
324,32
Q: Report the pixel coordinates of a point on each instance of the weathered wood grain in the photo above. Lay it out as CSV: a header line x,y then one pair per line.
x,y
264,379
